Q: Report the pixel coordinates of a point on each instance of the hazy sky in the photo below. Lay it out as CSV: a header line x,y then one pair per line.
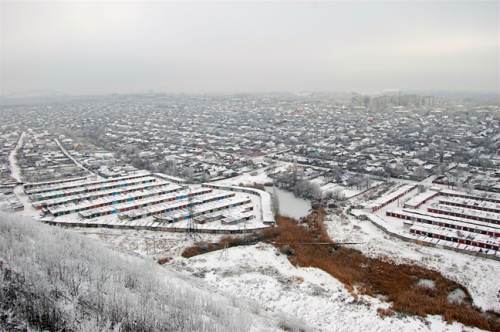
x,y
88,48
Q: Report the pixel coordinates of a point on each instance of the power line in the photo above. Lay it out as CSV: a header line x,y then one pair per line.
x,y
192,227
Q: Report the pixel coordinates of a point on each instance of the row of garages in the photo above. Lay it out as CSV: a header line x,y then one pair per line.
x,y
266,208
163,209
420,199
46,184
203,210
487,198
90,189
466,240
391,197
78,198
447,223
112,201
465,213
140,204
33,188
471,204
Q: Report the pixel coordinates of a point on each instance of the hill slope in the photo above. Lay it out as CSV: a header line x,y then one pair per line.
x,y
54,279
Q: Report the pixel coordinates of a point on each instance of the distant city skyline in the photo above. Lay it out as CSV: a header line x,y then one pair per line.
x,y
102,48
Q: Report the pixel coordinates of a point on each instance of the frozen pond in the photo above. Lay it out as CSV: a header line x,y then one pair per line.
x,y
289,204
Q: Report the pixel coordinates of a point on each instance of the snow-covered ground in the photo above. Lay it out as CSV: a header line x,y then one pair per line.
x,y
478,274
347,192
290,205
258,176
261,274
29,210
147,243
264,275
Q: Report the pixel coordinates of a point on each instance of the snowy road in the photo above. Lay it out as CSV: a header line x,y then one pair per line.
x,y
15,172
28,210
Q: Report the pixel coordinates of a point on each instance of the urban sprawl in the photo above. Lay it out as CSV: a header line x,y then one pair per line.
x,y
422,168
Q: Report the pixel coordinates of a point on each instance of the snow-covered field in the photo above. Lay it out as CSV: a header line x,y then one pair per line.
x,y
264,275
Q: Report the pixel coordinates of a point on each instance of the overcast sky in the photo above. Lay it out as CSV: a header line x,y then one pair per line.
x,y
94,48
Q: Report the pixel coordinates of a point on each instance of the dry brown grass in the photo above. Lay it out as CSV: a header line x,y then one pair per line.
x,y
373,276
364,275
230,241
164,260
385,312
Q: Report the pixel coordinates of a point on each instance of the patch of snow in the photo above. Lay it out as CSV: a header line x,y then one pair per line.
x,y
456,296
426,283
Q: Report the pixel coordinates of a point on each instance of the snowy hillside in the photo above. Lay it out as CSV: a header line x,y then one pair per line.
x,y
53,279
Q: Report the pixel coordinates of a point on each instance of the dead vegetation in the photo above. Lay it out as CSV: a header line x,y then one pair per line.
x,y
230,241
398,283
387,312
374,276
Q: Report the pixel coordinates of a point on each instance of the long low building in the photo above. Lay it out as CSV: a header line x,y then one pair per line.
x,y
91,181
76,198
142,203
31,185
472,214
487,197
163,209
196,211
447,223
266,205
91,188
114,200
391,197
422,198
463,238
471,204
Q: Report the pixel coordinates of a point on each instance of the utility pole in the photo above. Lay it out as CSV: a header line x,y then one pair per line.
x,y
192,229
